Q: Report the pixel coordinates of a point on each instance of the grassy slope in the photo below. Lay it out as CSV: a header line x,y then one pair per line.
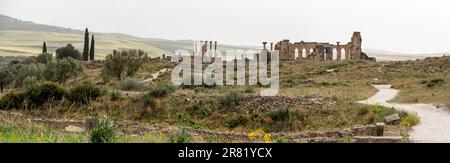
x,y
16,43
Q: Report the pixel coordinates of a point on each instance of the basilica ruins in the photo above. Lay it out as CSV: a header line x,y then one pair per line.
x,y
320,51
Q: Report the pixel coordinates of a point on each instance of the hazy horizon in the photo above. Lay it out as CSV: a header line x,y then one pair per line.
x,y
415,26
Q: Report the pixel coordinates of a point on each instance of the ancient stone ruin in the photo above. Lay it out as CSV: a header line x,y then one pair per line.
x,y
321,51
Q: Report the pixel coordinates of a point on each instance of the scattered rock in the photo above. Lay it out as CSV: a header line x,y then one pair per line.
x,y
372,139
74,129
260,104
330,70
392,119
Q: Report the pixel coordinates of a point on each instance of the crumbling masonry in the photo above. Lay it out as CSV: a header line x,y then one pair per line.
x,y
320,51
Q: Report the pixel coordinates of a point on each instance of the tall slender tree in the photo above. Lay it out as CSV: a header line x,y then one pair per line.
x,y
44,48
92,49
86,46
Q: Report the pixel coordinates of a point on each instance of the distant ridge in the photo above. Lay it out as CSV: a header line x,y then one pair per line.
x,y
9,23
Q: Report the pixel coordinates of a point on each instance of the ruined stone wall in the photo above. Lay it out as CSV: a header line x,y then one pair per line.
x,y
321,51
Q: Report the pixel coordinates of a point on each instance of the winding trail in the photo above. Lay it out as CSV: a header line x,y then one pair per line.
x,y
434,124
155,75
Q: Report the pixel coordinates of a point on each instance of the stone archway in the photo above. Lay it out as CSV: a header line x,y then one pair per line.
x,y
343,54
335,55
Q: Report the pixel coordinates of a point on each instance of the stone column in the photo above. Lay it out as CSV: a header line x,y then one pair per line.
x,y
210,45
271,46
338,51
264,45
215,45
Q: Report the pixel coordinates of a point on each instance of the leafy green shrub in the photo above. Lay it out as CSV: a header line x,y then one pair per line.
x,y
130,84
28,81
249,89
180,137
280,114
115,96
362,110
149,101
12,100
435,83
280,140
84,94
234,122
38,94
230,100
200,109
411,120
103,131
161,91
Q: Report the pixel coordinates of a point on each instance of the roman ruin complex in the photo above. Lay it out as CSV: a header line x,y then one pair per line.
x,y
320,51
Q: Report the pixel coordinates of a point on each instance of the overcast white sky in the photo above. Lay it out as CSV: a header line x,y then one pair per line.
x,y
411,26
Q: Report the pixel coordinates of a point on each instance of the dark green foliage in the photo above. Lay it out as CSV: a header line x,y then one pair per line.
x,y
230,100
180,137
362,110
6,77
103,131
130,84
21,71
236,121
68,51
86,46
84,94
435,83
123,64
149,101
115,96
40,93
12,100
63,69
92,49
44,58
34,96
44,48
161,91
280,114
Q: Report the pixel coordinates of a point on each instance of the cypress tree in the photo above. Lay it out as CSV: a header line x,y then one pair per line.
x,y
86,46
92,49
44,48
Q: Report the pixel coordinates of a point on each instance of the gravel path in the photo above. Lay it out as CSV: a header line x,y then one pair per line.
x,y
434,124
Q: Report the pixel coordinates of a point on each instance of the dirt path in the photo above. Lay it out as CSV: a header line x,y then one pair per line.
x,y
434,124
156,75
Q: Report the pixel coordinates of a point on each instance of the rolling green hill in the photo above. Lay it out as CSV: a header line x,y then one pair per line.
x,y
22,38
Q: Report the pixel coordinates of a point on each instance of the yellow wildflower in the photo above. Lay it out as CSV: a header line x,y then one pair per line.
x,y
267,138
252,136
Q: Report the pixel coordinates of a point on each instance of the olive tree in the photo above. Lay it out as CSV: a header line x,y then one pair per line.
x,y
63,69
123,64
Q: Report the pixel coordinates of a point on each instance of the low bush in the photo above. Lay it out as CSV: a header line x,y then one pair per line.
x,y
84,94
38,94
181,136
12,100
280,114
236,121
230,100
130,85
363,110
33,96
115,96
161,91
103,131
410,120
435,83
149,101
